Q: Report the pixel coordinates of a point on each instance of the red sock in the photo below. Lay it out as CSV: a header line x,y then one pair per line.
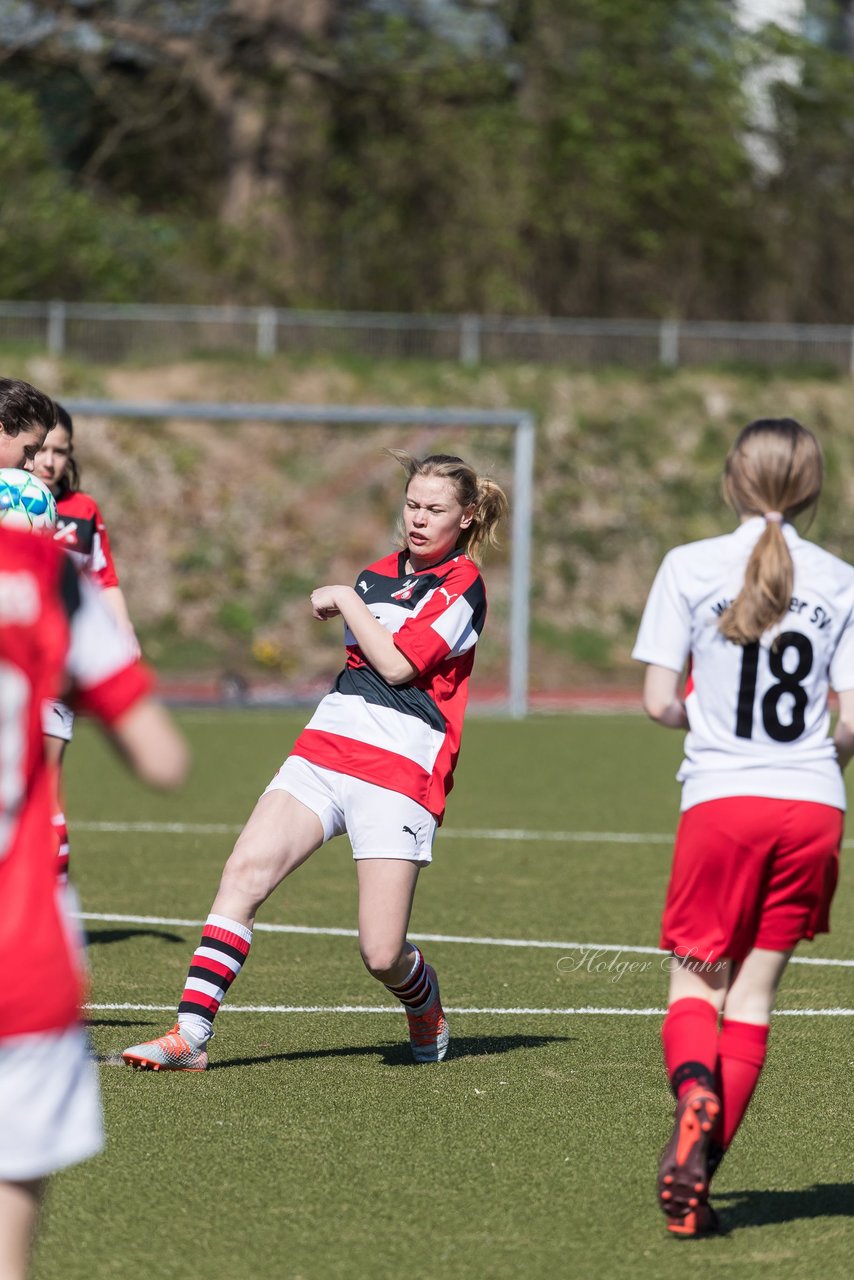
x,y
689,1034
741,1055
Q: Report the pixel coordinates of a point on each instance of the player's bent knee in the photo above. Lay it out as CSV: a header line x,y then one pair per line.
x,y
381,960
248,876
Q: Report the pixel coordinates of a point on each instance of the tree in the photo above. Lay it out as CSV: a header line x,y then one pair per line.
x,y
57,242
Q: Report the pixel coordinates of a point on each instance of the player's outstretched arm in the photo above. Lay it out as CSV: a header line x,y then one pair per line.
x,y
661,699
151,745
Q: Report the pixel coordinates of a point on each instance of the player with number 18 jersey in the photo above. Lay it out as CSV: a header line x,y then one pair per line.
x,y
764,622
758,713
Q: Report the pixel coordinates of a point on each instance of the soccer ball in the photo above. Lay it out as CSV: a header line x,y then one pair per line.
x,y
25,502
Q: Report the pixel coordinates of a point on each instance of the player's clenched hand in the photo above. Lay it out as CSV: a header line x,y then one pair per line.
x,y
324,602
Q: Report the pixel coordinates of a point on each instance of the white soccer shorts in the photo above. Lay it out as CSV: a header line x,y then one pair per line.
x,y
380,823
50,1104
57,720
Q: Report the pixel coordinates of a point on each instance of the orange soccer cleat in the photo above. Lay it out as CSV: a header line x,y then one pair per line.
x,y
172,1052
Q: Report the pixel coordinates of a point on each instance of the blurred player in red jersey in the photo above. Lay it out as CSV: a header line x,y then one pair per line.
x,y
80,530
26,416
52,627
766,621
376,760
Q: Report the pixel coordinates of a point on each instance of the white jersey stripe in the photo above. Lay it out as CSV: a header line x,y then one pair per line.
x,y
383,727
454,625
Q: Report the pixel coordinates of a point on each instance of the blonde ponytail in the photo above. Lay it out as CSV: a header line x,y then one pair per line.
x,y
774,469
767,591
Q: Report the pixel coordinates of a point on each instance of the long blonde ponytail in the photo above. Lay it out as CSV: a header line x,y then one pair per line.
x,y
775,469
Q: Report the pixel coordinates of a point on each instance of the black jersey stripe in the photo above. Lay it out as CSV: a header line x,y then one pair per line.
x,y
85,528
407,699
475,598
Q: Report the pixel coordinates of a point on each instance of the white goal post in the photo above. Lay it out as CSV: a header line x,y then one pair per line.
x,y
518,421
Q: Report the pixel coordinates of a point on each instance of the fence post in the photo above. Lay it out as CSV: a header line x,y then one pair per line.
x,y
851,356
56,328
668,344
265,332
470,340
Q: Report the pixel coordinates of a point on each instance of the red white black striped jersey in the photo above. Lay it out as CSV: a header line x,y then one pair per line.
x,y
51,623
405,737
81,531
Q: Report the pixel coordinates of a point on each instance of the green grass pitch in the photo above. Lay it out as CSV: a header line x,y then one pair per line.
x,y
314,1149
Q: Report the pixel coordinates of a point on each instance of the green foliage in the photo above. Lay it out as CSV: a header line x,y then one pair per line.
x,y
638,167
591,161
237,618
812,197
56,241
600,170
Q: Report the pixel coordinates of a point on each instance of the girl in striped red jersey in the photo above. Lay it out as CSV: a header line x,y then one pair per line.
x,y
80,530
765,620
376,761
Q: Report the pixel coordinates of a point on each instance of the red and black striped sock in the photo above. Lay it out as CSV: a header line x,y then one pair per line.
x,y
417,991
216,962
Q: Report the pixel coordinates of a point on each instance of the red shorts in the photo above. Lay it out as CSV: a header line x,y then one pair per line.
x,y
751,872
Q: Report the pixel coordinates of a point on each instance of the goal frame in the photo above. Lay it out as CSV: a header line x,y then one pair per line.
x,y
519,421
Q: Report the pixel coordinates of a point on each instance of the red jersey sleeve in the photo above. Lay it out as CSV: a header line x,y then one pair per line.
x,y
102,566
449,620
80,530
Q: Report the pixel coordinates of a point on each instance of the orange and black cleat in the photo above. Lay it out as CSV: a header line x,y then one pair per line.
x,y
683,1174
702,1221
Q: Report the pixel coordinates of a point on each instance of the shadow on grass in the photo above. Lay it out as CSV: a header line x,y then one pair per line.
x,y
760,1208
118,1022
398,1054
101,937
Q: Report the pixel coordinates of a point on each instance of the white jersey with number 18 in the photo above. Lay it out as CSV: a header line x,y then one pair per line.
x,y
757,713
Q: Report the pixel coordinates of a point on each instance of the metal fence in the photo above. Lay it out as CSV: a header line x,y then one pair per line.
x,y
102,332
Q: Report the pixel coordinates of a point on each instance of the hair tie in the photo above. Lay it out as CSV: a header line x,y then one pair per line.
x,y
773,517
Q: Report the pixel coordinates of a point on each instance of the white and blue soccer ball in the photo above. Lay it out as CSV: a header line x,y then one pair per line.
x,y
25,501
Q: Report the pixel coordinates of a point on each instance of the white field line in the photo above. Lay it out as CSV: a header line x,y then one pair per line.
x,y
591,949
606,1010
448,833
468,833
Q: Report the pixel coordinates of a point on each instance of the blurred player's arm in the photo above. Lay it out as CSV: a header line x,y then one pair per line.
x,y
662,700
843,734
108,680
114,598
150,744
